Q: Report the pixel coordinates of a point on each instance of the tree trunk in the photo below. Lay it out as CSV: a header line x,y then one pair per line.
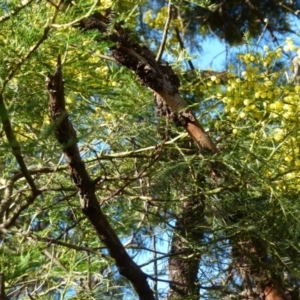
x,y
257,272
184,260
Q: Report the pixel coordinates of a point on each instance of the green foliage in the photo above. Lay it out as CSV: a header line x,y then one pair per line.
x,y
227,20
202,3
51,250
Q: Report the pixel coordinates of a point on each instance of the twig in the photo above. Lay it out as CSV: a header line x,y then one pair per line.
x,y
15,11
66,230
166,29
53,4
38,170
29,295
46,240
77,20
7,197
151,261
183,47
155,267
19,208
55,260
16,67
2,287
133,246
216,287
14,144
290,10
138,176
56,168
107,57
180,39
263,32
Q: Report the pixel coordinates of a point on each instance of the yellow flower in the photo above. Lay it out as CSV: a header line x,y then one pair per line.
x,y
270,94
106,4
246,102
277,106
242,115
278,134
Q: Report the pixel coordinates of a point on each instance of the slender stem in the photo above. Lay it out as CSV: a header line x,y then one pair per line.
x,y
14,144
165,33
154,261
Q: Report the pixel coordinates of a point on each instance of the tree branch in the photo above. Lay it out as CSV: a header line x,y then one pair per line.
x,y
14,144
165,33
18,210
20,62
158,76
66,136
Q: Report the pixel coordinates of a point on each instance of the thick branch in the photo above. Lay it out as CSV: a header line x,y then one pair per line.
x,y
66,135
158,76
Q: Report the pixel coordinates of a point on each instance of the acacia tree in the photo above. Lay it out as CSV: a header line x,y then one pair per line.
x,y
93,175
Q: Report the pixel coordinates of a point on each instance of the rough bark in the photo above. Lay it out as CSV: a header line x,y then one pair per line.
x,y
66,136
259,280
156,75
184,260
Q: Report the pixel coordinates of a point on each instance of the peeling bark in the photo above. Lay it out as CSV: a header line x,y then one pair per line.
x,y
66,135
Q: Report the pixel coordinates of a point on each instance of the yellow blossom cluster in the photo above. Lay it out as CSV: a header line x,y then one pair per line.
x,y
256,93
106,4
289,45
158,20
263,109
